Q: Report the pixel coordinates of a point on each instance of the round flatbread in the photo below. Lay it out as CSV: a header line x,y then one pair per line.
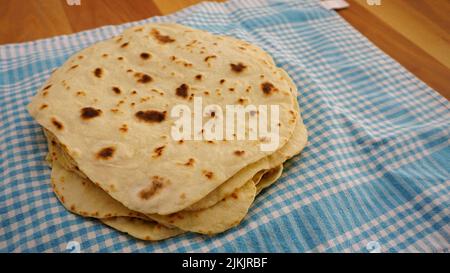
x,y
110,104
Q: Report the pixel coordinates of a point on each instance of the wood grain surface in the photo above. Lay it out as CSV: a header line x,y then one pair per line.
x,y
416,33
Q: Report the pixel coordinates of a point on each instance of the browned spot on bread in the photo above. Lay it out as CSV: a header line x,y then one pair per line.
x,y
231,89
156,184
43,106
241,101
80,57
57,124
123,128
208,174
181,141
72,207
190,162
143,78
124,45
90,112
132,104
144,99
134,92
151,116
239,153
106,153
198,77
73,67
234,195
47,87
211,142
45,93
213,114
206,93
183,195
145,55
157,152
120,58
116,90
161,38
104,55
210,57
98,72
138,29
222,81
182,90
80,93
268,88
238,68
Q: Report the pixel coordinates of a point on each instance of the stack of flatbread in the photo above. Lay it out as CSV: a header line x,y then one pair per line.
x,y
107,117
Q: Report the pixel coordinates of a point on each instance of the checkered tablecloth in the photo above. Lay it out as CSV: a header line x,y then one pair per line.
x,y
374,176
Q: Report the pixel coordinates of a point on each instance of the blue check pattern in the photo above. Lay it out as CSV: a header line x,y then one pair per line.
x,y
373,178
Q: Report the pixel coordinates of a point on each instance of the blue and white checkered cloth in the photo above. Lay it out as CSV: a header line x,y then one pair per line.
x,y
374,176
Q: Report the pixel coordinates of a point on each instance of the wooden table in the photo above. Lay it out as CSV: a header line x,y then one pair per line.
x,y
414,32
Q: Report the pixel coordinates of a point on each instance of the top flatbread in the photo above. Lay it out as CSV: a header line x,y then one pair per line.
x,y
109,106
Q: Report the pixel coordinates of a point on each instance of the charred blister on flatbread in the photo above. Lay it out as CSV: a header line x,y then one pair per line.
x,y
268,88
238,68
142,78
182,91
116,90
98,72
157,183
145,55
163,39
157,152
57,124
106,153
90,112
208,174
151,116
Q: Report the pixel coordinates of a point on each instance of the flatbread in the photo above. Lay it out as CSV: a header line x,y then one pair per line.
x,y
109,106
222,216
141,229
81,196
268,178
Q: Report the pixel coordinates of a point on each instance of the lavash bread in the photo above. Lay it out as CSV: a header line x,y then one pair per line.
x,y
90,126
144,230
106,118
